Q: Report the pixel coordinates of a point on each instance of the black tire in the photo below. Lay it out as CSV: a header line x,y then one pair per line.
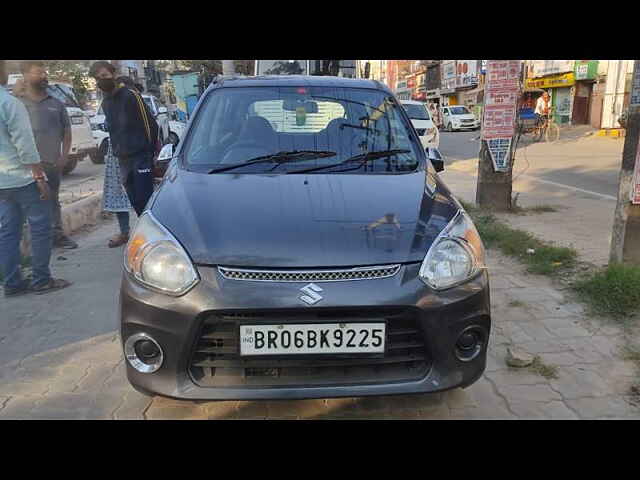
x,y
553,133
70,166
98,157
173,139
449,127
538,133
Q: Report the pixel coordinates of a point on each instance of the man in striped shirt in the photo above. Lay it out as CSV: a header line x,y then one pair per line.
x,y
133,132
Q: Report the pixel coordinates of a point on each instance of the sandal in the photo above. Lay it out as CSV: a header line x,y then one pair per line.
x,y
118,240
53,285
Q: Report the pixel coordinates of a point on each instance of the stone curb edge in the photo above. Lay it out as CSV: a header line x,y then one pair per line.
x,y
74,216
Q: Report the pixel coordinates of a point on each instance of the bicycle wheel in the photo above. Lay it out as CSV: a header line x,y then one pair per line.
x,y
553,133
538,133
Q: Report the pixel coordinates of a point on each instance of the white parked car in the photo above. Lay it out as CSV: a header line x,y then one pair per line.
x,y
82,140
170,131
458,117
423,123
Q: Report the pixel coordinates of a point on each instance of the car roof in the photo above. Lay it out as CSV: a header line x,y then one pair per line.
x,y
297,81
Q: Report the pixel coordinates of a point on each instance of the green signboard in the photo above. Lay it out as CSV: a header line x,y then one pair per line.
x,y
586,69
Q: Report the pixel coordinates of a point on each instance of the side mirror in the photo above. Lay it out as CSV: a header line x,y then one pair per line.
x,y
162,110
166,154
436,159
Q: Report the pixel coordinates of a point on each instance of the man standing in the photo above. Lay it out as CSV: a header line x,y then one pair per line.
x,y
24,193
133,133
52,132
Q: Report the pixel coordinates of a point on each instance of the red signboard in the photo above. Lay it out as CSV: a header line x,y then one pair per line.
x,y
501,92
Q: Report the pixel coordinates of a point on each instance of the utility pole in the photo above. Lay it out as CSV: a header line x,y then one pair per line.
x,y
497,143
625,238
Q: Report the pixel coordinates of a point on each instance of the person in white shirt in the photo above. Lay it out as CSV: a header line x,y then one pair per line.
x,y
543,107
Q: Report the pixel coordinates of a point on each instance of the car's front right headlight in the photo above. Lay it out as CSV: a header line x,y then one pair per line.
x,y
157,260
456,255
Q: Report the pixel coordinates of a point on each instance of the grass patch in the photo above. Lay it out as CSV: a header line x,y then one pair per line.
x,y
547,371
532,210
546,259
631,353
516,304
614,291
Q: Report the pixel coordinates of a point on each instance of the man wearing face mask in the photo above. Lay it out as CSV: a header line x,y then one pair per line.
x,y
52,132
133,132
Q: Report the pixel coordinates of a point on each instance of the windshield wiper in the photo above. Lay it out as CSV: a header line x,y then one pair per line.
x,y
363,158
280,158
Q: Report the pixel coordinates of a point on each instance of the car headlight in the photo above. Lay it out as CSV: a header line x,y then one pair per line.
x,y
155,259
455,256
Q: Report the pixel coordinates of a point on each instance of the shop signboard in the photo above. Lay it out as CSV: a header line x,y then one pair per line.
x,y
551,67
467,73
586,69
499,120
449,74
553,81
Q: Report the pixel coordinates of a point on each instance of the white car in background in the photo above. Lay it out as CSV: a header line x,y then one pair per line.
x,y
170,131
458,117
422,122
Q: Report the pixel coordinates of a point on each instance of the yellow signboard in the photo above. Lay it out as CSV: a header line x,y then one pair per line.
x,y
552,81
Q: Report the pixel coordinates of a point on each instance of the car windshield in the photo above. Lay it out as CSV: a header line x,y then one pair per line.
x,y
237,125
416,112
459,110
147,101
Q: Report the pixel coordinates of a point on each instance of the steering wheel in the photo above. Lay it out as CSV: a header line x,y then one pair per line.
x,y
242,151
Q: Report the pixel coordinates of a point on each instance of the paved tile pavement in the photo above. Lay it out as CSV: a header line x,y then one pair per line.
x,y
60,358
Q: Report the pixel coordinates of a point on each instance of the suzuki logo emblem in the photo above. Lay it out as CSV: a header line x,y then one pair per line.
x,y
311,296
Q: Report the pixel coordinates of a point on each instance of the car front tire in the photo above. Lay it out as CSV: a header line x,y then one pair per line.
x,y
98,156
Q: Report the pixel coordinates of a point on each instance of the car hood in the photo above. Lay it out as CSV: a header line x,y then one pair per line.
x,y
313,220
466,116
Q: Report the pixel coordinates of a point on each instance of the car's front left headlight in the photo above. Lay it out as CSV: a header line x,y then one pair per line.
x,y
157,260
456,255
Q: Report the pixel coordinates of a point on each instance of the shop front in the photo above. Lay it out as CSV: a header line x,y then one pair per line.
x,y
448,97
586,73
561,88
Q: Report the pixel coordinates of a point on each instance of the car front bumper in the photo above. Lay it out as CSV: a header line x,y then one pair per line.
x,y
176,324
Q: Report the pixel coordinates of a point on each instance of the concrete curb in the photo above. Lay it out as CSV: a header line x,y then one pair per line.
x,y
74,217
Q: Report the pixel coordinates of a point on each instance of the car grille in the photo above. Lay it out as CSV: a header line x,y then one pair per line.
x,y
216,360
366,273
468,121
421,131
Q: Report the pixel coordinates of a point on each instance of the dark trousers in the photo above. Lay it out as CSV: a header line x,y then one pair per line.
x,y
54,176
136,173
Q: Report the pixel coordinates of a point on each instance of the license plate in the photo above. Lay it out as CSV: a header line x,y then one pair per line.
x,y
76,120
317,338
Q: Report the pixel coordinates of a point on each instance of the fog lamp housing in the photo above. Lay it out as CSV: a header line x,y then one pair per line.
x,y
143,353
470,343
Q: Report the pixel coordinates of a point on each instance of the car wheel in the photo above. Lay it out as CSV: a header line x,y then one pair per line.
x,y
449,127
70,166
98,156
173,139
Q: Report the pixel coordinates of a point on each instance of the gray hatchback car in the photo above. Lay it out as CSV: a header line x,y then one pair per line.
x,y
301,245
